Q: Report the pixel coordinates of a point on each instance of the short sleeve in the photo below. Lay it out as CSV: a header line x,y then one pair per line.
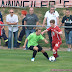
x,y
46,14
29,37
57,14
7,20
41,37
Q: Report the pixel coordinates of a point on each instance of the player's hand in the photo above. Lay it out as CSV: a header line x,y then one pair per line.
x,y
57,32
24,46
46,41
42,33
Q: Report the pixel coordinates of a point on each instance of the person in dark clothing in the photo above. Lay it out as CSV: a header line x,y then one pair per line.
x,y
67,21
30,19
22,33
3,33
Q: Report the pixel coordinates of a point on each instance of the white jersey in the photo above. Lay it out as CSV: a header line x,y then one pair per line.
x,y
50,16
12,19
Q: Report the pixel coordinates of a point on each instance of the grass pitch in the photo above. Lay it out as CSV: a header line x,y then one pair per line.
x,y
20,61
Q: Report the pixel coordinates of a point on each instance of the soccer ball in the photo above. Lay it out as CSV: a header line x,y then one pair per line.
x,y
52,58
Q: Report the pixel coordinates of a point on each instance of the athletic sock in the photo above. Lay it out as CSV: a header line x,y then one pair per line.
x,y
55,54
34,54
46,55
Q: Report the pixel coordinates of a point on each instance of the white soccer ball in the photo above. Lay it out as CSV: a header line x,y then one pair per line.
x,y
52,58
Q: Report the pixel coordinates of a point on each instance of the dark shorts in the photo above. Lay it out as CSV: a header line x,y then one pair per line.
x,y
0,37
39,48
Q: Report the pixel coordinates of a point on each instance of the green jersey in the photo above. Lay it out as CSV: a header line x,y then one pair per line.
x,y
33,39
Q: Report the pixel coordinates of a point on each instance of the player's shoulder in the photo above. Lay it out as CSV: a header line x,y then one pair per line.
x,y
57,26
50,27
32,33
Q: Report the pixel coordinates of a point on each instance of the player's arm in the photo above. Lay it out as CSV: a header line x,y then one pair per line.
x,y
44,31
59,31
28,38
25,43
45,41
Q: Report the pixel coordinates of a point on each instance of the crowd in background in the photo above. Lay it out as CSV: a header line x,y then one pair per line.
x,y
32,19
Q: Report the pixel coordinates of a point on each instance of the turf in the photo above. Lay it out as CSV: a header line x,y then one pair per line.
x,y
20,61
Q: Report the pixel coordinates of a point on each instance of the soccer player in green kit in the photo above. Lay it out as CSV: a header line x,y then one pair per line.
x,y
33,39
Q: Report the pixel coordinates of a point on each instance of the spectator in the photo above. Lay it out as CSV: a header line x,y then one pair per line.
x,y
22,33
31,19
1,28
3,32
67,21
51,14
12,19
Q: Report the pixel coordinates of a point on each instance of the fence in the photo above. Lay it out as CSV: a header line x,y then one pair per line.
x,y
29,26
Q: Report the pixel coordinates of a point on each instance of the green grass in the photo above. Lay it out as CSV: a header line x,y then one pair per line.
x,y
20,61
